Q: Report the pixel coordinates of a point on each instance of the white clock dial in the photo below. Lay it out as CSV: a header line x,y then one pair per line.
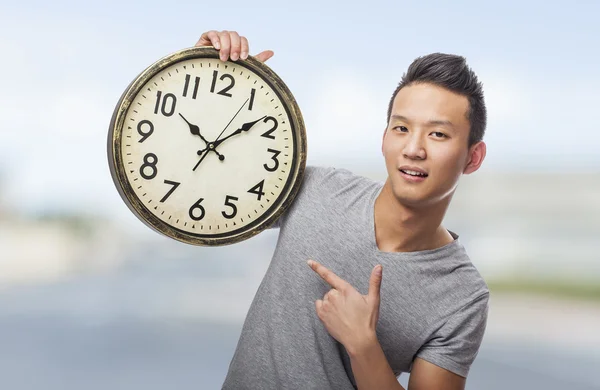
x,y
209,147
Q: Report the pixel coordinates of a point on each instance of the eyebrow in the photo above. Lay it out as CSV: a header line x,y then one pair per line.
x,y
436,122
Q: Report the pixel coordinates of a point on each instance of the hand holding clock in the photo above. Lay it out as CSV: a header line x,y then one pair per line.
x,y
231,45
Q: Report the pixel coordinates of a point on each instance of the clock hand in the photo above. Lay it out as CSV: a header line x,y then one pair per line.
x,y
199,161
245,127
195,130
211,144
236,114
221,157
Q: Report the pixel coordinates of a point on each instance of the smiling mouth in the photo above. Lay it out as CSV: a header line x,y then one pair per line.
x,y
413,173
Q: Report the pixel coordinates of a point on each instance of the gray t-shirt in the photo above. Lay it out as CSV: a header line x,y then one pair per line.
x,y
434,303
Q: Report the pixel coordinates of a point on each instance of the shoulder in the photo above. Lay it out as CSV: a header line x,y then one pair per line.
x,y
468,288
308,194
452,269
454,345
466,275
449,278
324,186
331,181
316,174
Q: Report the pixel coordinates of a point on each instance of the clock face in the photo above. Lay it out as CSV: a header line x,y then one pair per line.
x,y
209,150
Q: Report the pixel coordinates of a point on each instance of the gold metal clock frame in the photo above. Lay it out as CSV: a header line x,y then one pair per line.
x,y
124,188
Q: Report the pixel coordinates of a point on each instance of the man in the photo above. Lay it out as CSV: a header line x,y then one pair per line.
x,y
310,326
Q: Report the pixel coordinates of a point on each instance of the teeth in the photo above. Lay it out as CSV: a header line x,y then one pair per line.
x,y
413,173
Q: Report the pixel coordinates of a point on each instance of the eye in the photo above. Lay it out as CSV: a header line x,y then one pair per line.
x,y
400,128
439,134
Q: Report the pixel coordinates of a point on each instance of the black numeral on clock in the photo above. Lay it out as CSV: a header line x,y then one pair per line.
x,y
187,84
267,134
258,189
223,77
251,104
150,161
197,207
167,107
228,203
172,183
274,158
145,134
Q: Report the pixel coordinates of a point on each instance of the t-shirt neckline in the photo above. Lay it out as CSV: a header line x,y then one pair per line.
x,y
450,247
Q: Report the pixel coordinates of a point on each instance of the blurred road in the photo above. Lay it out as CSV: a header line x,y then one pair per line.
x,y
150,325
60,352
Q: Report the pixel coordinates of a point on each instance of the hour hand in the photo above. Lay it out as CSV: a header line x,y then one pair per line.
x,y
245,127
195,130
248,125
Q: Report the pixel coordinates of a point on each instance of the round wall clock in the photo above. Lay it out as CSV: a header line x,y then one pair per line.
x,y
204,151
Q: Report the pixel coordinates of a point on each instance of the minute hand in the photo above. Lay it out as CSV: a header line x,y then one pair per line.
x,y
245,127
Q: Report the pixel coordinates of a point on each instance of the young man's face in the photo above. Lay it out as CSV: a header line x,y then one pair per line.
x,y
428,131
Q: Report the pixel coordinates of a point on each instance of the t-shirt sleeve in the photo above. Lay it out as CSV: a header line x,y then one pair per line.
x,y
312,176
455,344
278,222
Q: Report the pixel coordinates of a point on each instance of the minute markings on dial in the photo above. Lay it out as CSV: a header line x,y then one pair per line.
x,y
269,131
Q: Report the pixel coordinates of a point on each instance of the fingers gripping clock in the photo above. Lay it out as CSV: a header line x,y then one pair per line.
x,y
205,151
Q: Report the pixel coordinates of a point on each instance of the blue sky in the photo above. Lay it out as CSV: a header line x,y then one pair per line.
x,y
65,65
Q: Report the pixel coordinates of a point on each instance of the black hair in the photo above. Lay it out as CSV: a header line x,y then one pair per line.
x,y
451,72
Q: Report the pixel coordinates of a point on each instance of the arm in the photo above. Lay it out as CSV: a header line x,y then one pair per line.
x,y
372,371
351,319
370,367
425,376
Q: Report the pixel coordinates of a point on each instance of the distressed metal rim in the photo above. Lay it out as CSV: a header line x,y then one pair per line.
x,y
125,190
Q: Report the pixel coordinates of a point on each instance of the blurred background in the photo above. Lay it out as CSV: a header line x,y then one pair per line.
x,y
91,298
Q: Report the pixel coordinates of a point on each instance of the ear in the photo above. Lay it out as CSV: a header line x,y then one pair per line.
x,y
476,157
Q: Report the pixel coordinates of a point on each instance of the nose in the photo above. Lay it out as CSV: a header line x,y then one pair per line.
x,y
414,148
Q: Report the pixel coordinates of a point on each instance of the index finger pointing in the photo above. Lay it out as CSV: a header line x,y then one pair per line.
x,y
328,275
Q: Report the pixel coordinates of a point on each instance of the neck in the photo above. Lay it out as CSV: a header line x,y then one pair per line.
x,y
403,228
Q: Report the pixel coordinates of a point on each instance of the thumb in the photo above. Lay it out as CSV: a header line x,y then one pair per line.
x,y
375,283
265,55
